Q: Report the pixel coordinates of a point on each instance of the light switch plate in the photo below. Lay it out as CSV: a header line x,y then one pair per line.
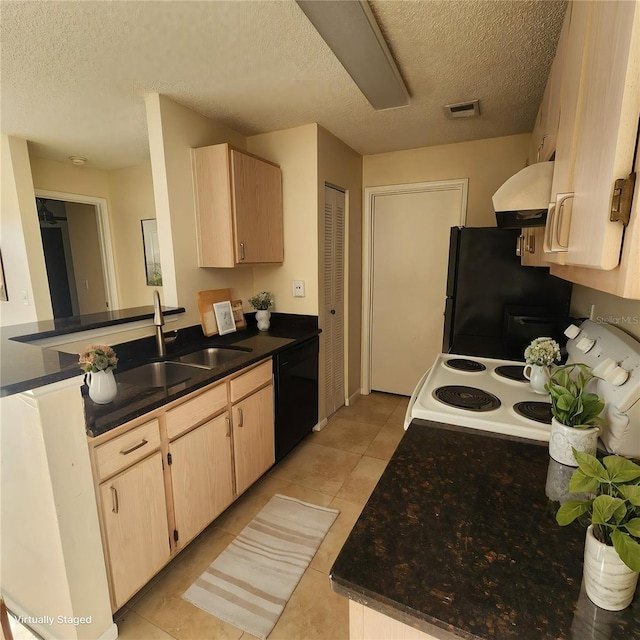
x,y
298,288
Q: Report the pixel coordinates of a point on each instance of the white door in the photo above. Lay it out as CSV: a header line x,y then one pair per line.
x,y
410,230
333,327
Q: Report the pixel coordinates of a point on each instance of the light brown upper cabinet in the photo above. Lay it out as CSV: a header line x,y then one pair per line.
x,y
238,200
599,109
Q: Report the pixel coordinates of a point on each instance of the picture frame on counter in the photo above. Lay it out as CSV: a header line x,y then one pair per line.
x,y
224,317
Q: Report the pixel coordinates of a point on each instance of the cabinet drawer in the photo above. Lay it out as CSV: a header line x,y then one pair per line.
x,y
248,382
123,451
193,411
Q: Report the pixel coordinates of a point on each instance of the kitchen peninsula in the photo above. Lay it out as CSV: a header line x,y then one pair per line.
x,y
459,540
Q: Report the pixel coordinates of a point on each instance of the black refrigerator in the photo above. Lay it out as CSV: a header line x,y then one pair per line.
x,y
495,306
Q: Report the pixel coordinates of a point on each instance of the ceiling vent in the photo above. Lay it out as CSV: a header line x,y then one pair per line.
x,y
469,109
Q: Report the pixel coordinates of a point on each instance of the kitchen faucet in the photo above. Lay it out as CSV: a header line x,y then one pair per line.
x,y
158,321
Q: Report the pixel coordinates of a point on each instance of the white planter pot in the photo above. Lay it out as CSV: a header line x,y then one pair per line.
x,y
609,583
262,318
102,386
563,438
537,375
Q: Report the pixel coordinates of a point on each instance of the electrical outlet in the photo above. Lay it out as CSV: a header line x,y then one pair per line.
x,y
298,288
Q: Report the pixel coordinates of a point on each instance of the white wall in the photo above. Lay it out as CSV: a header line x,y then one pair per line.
x,y
50,550
173,131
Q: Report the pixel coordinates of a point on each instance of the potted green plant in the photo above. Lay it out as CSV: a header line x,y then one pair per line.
x,y
261,303
575,413
612,546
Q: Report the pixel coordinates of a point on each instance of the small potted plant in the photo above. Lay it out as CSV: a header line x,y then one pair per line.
x,y
612,546
576,413
261,303
539,356
98,362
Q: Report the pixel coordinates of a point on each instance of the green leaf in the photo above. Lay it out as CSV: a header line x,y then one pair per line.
x,y
630,492
565,402
604,507
590,466
571,510
620,470
582,483
628,549
633,527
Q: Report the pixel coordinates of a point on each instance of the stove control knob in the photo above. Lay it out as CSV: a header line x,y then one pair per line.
x,y
617,376
604,368
585,344
572,331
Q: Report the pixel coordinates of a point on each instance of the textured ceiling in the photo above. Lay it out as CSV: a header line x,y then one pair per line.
x,y
74,74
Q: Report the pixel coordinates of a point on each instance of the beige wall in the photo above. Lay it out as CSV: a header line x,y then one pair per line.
x,y
487,164
295,150
341,166
173,131
131,197
23,261
621,312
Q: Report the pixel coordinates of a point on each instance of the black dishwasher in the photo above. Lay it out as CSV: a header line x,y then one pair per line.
x,y
296,394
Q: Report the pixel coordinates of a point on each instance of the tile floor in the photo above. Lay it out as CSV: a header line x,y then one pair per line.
x,y
338,467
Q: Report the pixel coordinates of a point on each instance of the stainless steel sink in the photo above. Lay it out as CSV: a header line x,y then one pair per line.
x,y
213,356
160,374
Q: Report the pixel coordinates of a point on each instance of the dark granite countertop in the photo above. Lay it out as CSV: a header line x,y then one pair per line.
x,y
133,401
24,365
459,538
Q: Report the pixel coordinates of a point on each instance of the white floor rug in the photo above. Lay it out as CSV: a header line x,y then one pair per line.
x,y
249,583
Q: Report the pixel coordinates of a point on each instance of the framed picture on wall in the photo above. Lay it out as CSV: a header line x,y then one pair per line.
x,y
151,252
3,287
224,317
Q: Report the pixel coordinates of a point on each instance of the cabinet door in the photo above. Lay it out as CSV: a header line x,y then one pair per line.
x,y
253,438
257,208
134,515
607,125
201,476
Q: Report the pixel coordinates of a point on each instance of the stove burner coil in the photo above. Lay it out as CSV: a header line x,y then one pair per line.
x,y
512,372
538,411
463,364
468,398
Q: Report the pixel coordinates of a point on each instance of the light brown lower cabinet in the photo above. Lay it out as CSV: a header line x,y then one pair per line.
x,y
367,624
134,522
162,478
254,447
201,476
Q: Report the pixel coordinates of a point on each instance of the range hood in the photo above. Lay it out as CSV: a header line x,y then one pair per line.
x,y
523,200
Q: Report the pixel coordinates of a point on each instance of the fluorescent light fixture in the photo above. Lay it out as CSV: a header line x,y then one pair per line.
x,y
352,33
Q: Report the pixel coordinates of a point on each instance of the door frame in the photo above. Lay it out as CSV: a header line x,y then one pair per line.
x,y
104,238
370,195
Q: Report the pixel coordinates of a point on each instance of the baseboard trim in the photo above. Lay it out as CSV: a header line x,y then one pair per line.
x,y
321,425
352,398
111,633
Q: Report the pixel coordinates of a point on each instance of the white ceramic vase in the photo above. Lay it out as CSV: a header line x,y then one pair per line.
x,y
262,318
102,386
562,439
537,375
609,583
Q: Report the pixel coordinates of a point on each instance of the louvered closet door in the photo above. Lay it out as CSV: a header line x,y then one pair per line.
x,y
333,329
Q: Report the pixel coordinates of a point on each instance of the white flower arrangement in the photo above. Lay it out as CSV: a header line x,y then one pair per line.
x,y
542,351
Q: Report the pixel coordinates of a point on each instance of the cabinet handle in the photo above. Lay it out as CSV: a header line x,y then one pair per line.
x,y
562,198
548,230
519,246
114,499
241,423
531,244
125,452
228,426
242,251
